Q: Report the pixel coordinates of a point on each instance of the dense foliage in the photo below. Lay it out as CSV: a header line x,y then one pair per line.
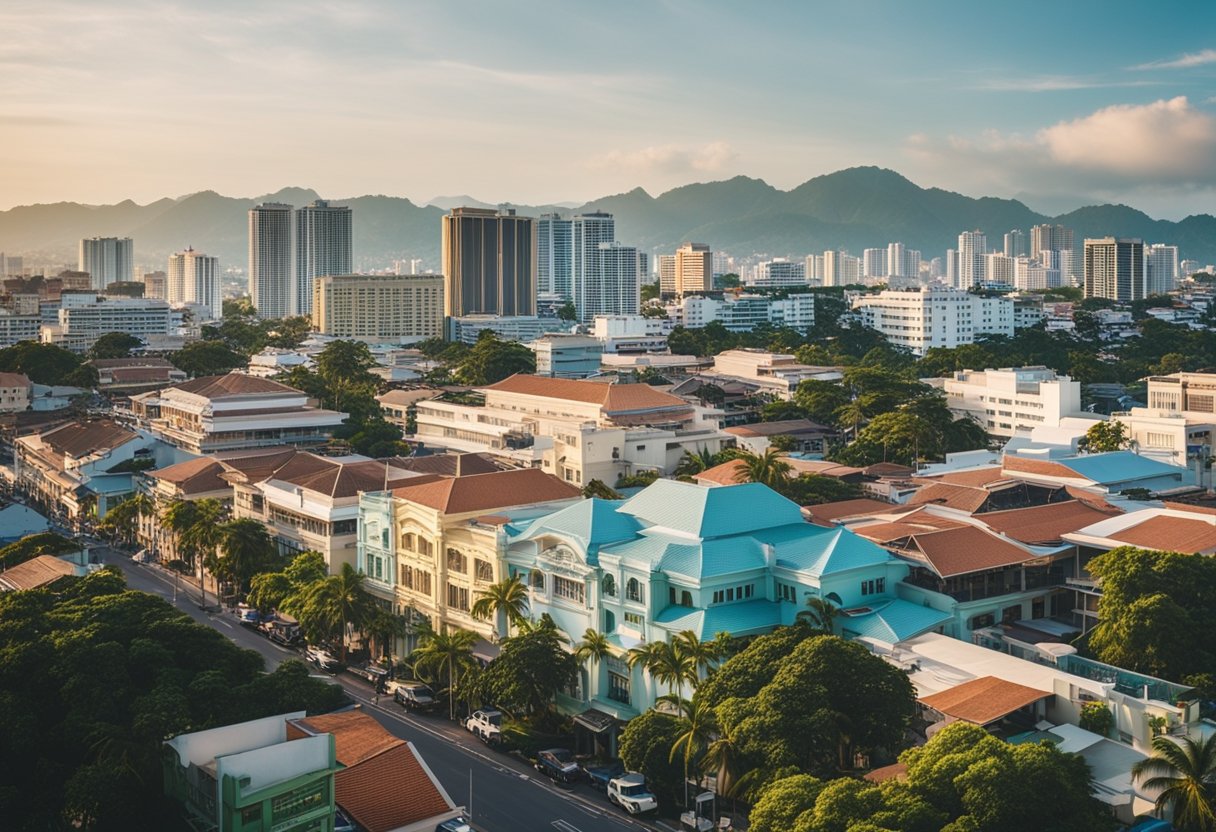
x,y
47,364
492,359
114,345
645,745
93,678
207,358
31,546
531,668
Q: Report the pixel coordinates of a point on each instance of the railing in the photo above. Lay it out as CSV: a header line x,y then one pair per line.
x,y
987,587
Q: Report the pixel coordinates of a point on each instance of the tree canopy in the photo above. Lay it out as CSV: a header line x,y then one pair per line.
x,y
492,359
207,358
114,345
47,364
532,666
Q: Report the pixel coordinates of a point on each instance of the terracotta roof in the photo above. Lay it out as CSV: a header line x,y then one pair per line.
x,y
194,476
1039,466
961,497
343,479
357,736
14,380
232,384
983,700
484,492
974,478
888,469
1171,534
965,549
256,465
1194,509
911,524
825,513
1046,524
449,465
785,427
895,771
408,397
138,375
79,438
612,397
36,572
148,361
726,473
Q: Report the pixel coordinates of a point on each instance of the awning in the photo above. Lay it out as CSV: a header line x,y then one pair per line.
x,y
486,651
595,720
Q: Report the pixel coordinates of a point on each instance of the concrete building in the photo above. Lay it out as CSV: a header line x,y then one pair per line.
x,y
998,269
1012,401
1029,275
554,256
972,246
193,277
156,285
15,391
608,281
567,356
107,259
272,283
521,328
694,269
741,313
667,274
322,247
780,272
840,268
83,318
874,262
934,316
379,307
1015,244
1160,269
776,374
489,263
1114,269
234,411
15,328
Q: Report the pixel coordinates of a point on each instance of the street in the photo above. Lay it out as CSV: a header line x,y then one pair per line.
x,y
504,794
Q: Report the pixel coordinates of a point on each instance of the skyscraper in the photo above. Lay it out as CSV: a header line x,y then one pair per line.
x,y
272,283
972,246
107,259
895,260
874,262
1015,243
193,277
1057,238
694,268
1114,269
489,263
610,282
554,266
322,247
587,232
667,274
1160,269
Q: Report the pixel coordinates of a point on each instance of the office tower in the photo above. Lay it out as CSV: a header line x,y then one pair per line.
x,y
694,268
814,269
107,259
379,307
272,284
723,264
193,277
11,266
156,285
322,246
1114,269
609,282
489,263
998,268
1057,238
1029,275
780,272
951,267
667,274
831,269
873,262
937,268
554,266
972,246
840,268
644,276
587,232
1015,243
1160,269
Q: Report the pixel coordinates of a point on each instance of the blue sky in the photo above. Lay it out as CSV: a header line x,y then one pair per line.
x,y
1057,103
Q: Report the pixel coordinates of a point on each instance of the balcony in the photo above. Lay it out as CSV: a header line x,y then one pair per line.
x,y
984,585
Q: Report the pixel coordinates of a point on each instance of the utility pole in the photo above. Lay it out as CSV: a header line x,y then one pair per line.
x,y
470,794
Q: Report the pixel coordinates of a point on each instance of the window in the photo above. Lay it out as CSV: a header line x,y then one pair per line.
x,y
685,598
618,688
457,562
633,590
868,588
484,570
568,589
458,597
609,586
416,579
986,620
787,592
609,622
634,619
409,542
536,580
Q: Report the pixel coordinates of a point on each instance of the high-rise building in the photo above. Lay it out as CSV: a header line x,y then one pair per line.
x,y
272,284
193,277
972,246
694,268
667,274
998,268
11,265
814,269
1047,237
1029,275
780,272
379,307
644,276
587,232
489,263
1189,267
1114,269
554,266
841,269
873,262
1015,243
895,260
107,259
156,285
612,288
322,246
951,270
1160,269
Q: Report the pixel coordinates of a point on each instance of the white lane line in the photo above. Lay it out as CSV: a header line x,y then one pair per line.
x,y
225,623
565,826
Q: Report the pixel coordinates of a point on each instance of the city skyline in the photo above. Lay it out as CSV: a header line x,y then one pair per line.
x,y
1096,107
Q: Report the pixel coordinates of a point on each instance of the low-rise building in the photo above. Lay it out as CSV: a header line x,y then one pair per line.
x,y
521,328
742,313
934,316
808,437
1012,401
82,318
15,328
15,389
567,356
132,375
775,373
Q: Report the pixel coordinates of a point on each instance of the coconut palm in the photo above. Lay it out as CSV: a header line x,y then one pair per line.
x,y
335,605
507,597
853,413
122,521
700,654
1185,772
697,726
449,654
247,551
195,525
691,464
593,649
821,614
724,761
767,468
383,629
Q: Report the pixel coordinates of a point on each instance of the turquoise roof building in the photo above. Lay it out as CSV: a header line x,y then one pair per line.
x,y
737,559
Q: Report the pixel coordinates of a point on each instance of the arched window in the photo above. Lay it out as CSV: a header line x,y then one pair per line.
x,y
536,580
633,590
686,598
409,542
834,598
457,561
609,586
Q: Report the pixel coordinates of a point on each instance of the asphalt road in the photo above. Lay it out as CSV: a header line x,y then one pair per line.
x,y
506,794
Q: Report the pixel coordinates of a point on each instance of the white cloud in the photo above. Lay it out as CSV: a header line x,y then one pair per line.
x,y
1201,58
669,159
1055,83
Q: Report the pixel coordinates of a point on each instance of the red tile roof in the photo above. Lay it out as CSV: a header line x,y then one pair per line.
x,y
975,478
962,497
1040,467
77,439
36,572
825,513
613,398
895,771
966,549
1046,524
13,380
194,476
485,492
727,473
983,700
232,384
785,427
1171,534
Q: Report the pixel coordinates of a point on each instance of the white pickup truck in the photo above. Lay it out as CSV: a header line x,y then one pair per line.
x,y
486,724
630,793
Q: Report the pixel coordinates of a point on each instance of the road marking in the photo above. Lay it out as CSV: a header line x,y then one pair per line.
x,y
225,623
565,826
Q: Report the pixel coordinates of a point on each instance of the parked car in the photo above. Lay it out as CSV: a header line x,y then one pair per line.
x,y
486,724
459,824
630,793
247,615
323,658
282,629
559,765
599,776
373,672
413,696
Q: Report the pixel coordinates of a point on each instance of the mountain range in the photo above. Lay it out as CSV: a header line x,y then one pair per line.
x,y
851,209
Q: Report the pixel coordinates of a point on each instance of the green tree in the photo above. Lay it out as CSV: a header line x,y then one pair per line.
x,y
597,489
47,364
246,550
33,545
346,362
645,746
531,667
567,312
820,614
268,590
122,521
697,724
506,599
334,606
1103,437
239,307
813,489
114,345
195,525
783,442
593,648
1096,717
207,358
821,400
767,468
492,359
1183,771
783,805
448,656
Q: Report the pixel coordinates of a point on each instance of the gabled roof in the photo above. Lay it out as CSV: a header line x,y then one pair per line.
x,y
711,512
894,621
77,439
821,551
613,398
1119,466
984,700
484,492
967,549
357,736
975,477
343,479
593,522
256,464
232,384
36,572
962,497
713,558
825,513
740,618
194,476
14,380
1171,534
1040,525
448,465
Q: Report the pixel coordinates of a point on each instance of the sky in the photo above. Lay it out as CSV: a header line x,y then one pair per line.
x,y
1060,104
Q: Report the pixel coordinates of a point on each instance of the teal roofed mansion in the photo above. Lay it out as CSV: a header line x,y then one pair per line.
x,y
739,559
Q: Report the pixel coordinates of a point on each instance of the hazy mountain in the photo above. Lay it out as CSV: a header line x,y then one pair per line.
x,y
852,209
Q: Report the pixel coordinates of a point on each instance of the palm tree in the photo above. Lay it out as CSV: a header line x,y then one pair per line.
x,y
697,726
450,653
853,413
593,649
507,597
195,525
691,463
821,614
247,550
1185,772
666,663
723,759
767,468
700,654
383,629
336,604
122,521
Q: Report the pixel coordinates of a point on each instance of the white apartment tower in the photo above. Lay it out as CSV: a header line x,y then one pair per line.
x,y
896,262
1114,269
998,268
554,257
1015,243
694,268
322,247
1160,269
972,246
780,272
272,284
934,316
667,274
1056,238
193,277
107,259
874,262
615,289
587,231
